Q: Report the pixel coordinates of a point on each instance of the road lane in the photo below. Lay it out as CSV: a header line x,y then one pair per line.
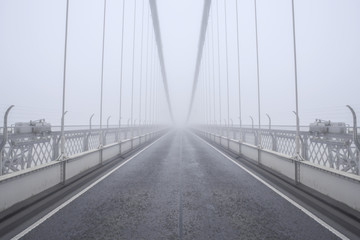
x,y
180,188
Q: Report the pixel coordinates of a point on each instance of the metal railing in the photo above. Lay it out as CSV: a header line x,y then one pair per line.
x,y
337,151
23,151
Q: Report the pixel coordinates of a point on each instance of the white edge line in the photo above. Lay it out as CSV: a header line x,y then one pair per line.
x,y
47,216
307,212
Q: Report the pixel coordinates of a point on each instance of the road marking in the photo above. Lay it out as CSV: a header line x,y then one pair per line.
x,y
180,216
307,212
47,216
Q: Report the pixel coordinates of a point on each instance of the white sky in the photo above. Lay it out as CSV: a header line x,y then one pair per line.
x,y
31,58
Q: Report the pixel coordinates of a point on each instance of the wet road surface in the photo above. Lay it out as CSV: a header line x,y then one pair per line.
x,y
180,188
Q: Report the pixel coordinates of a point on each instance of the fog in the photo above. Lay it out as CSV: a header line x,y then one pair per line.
x,y
32,56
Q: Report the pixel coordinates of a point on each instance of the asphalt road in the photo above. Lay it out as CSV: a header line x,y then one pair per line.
x,y
180,188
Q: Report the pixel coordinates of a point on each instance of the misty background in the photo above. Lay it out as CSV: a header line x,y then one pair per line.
x,y
32,49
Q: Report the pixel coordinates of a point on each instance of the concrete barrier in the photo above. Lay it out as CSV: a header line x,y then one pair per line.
x,y
18,186
250,151
125,146
224,142
278,163
82,162
217,139
337,185
341,186
136,142
110,151
234,146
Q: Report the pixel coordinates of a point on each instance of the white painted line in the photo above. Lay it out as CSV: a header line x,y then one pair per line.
x,y
47,216
307,212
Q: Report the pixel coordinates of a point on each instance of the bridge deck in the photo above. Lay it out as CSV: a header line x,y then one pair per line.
x,y
180,188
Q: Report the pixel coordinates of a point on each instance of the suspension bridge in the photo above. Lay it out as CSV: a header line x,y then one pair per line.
x,y
145,178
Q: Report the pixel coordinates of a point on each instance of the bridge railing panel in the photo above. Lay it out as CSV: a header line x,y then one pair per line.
x,y
23,151
336,151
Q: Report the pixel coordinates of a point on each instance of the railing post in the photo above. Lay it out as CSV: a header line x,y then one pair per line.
x,y
62,136
88,135
1,162
63,171
305,148
86,142
270,127
117,136
55,140
29,158
256,134
297,137
355,136
274,142
297,171
269,121
5,138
